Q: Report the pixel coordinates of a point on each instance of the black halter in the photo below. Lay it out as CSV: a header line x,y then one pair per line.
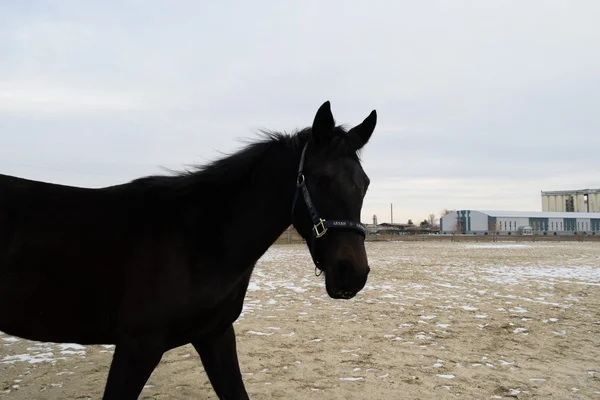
x,y
320,225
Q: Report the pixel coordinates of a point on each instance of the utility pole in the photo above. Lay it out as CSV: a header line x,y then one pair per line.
x,y
391,213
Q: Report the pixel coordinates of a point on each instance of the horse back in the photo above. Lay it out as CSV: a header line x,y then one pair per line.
x,y
63,251
85,265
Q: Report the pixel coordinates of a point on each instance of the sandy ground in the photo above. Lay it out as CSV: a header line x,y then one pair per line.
x,y
436,320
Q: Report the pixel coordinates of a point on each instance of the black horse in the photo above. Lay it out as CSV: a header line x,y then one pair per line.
x,y
164,261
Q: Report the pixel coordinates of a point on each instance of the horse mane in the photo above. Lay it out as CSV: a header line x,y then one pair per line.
x,y
244,164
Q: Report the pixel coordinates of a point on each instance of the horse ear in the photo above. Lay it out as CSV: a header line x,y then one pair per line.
x,y
323,124
360,134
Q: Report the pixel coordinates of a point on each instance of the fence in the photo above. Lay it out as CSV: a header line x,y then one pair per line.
x,y
291,236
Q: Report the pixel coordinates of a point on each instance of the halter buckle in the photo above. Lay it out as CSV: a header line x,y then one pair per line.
x,y
320,225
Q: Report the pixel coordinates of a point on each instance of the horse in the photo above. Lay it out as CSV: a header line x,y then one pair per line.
x,y
165,260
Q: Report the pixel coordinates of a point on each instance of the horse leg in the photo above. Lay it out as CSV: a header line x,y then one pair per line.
x,y
132,364
219,357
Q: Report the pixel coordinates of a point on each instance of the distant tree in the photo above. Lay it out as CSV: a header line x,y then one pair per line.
x,y
432,219
424,224
410,222
445,211
457,227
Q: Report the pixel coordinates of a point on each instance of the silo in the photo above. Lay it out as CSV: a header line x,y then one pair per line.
x,y
580,203
545,203
552,203
594,201
560,203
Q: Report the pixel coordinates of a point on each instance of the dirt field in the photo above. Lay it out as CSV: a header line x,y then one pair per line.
x,y
437,320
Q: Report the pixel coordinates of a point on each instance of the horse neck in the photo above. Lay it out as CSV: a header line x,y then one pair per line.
x,y
259,208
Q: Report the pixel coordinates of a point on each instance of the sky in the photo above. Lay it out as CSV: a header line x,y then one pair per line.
x,y
481,104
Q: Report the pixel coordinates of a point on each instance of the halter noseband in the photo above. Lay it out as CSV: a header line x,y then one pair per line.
x,y
320,225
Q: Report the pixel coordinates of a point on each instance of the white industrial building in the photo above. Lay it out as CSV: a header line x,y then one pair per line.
x,y
584,200
520,222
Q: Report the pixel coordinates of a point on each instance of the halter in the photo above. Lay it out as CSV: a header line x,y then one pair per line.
x,y
320,225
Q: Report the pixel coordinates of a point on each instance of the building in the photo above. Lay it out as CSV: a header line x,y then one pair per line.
x,y
585,200
372,228
520,222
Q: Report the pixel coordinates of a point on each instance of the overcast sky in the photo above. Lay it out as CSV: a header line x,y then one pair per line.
x,y
481,104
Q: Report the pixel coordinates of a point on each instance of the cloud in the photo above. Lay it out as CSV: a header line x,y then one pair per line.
x,y
43,99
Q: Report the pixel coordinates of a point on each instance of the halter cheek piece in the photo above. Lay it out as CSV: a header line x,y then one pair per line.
x,y
320,225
